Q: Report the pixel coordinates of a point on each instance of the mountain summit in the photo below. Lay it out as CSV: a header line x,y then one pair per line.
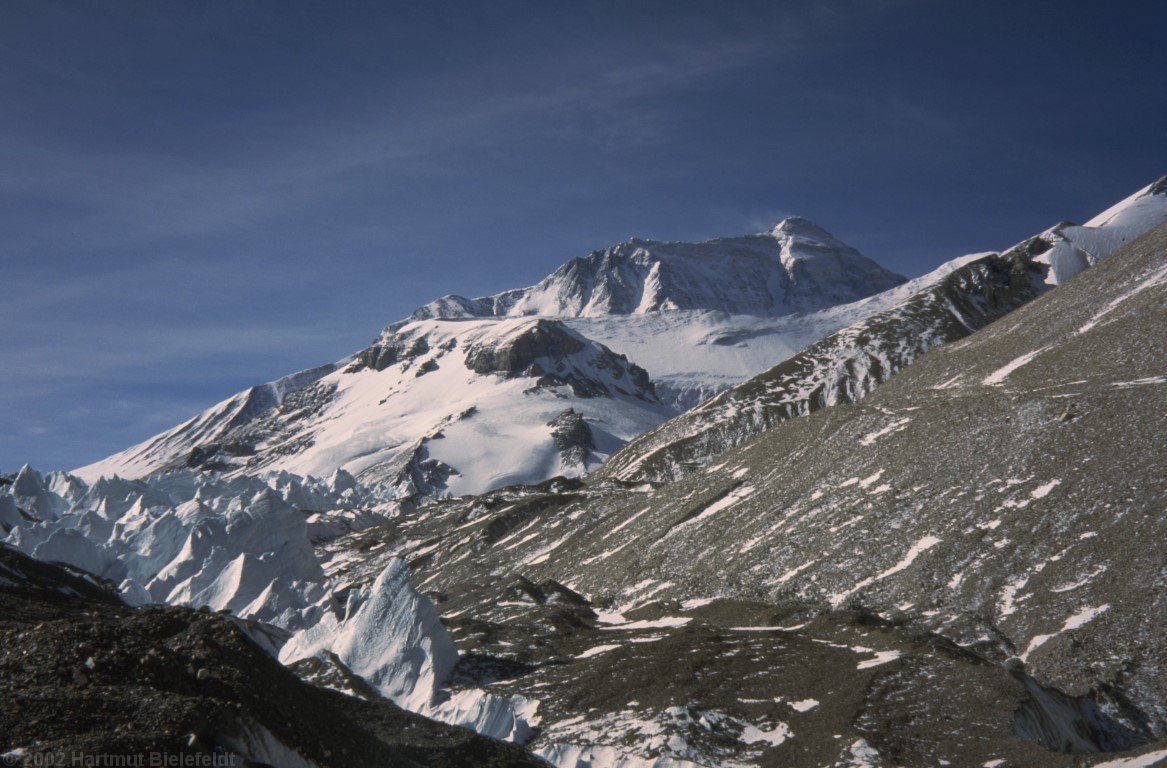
x,y
797,225
468,395
797,267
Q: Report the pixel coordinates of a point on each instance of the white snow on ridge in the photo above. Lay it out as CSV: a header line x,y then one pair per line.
x,y
1077,621
1043,490
897,425
1156,278
486,429
597,650
881,658
775,736
1076,248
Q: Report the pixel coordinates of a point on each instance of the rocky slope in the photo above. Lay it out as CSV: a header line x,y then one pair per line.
x,y
849,364
1004,493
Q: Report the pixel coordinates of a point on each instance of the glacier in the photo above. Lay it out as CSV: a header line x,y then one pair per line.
x,y
244,546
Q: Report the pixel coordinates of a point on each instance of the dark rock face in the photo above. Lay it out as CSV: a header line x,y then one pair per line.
x,y
573,438
1073,725
544,352
82,674
237,446
416,473
543,339
389,351
841,368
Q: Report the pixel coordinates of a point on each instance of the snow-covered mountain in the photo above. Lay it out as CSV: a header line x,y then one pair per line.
x,y
841,368
798,267
468,395
700,317
472,394
432,407
963,567
978,540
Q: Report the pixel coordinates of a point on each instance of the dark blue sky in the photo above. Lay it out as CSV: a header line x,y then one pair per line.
x,y
199,196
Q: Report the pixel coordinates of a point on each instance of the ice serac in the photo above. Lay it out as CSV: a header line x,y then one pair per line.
x,y
187,538
389,635
244,546
85,674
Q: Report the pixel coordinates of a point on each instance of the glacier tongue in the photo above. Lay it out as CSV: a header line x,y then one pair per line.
x,y
245,545
389,635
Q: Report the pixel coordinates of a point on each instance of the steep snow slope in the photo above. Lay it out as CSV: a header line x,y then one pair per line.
x,y
1076,248
849,364
431,407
